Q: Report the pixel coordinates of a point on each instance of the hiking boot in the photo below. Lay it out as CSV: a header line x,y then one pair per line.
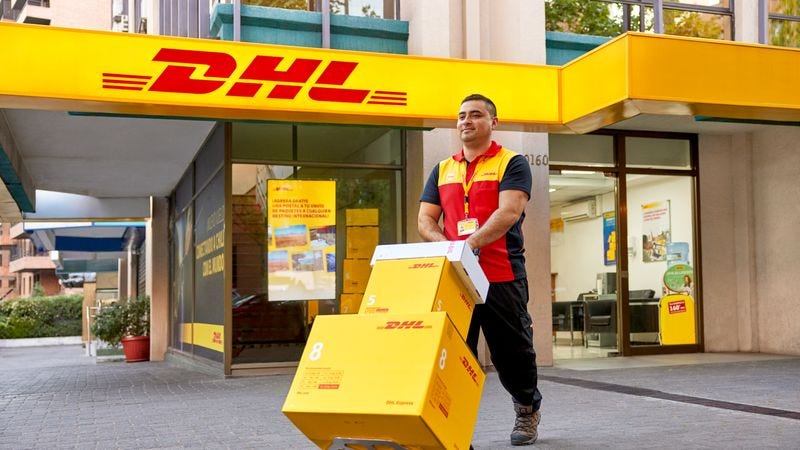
x,y
526,427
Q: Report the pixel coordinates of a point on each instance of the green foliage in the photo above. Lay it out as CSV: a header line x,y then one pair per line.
x,y
367,11
38,290
784,32
41,317
581,16
285,4
132,318
694,24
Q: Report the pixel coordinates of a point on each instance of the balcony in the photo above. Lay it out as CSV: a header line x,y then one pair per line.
x,y
31,263
33,11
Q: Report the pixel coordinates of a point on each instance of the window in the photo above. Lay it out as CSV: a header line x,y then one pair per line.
x,y
697,18
364,8
784,23
284,275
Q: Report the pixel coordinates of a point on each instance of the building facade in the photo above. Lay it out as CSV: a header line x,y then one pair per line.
x,y
646,187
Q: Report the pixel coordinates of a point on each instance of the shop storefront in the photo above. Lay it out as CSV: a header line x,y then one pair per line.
x,y
624,244
312,115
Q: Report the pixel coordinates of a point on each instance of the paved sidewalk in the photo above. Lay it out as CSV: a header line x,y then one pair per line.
x,y
55,397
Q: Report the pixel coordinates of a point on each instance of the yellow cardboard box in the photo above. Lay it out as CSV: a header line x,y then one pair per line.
x,y
349,303
458,253
355,275
361,241
361,217
407,378
418,285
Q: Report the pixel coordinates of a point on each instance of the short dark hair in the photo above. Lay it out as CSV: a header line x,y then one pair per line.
x,y
489,103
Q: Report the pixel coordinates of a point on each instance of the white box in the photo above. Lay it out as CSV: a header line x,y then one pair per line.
x,y
457,252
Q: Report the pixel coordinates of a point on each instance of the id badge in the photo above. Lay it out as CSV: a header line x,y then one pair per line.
x,y
467,226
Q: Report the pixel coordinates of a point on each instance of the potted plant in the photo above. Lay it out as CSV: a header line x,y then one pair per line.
x,y
127,323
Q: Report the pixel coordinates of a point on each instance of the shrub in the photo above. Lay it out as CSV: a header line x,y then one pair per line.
x,y
115,321
41,317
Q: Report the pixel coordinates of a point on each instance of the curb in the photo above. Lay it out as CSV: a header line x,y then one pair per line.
x,y
41,342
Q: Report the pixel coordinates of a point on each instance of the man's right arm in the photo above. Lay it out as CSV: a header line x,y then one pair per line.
x,y
428,222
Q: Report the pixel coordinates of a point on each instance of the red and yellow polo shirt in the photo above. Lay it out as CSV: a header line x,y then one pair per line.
x,y
496,170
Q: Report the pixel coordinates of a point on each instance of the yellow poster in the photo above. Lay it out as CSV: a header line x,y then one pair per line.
x,y
301,240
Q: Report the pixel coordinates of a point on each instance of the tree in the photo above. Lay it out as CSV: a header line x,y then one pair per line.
x,y
285,4
581,16
368,11
685,23
785,32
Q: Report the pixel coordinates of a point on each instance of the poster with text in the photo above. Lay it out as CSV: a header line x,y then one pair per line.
x,y
610,238
301,240
655,231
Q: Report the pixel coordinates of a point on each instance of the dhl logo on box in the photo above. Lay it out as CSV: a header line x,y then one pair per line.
x,y
418,285
408,379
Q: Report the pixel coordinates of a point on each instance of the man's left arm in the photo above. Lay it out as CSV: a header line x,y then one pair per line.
x,y
514,193
511,206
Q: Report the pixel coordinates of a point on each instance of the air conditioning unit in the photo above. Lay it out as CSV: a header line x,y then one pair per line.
x,y
121,23
585,209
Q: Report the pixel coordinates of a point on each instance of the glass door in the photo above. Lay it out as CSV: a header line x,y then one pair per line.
x,y
583,246
660,305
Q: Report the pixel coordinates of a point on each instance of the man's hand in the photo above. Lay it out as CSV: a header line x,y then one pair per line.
x,y
428,222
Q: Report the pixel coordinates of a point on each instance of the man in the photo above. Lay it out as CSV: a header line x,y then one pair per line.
x,y
482,191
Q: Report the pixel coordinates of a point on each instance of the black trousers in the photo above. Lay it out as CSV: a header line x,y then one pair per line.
x,y
507,327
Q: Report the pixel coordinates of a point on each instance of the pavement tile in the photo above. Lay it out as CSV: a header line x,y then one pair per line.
x,y
55,397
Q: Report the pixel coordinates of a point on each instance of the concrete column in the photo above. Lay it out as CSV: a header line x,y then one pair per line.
x,y
746,23
122,279
435,27
89,300
154,20
721,257
157,267
744,237
132,274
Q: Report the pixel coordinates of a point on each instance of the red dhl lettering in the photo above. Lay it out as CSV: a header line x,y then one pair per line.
x,y
202,72
465,300
473,374
677,307
406,324
422,266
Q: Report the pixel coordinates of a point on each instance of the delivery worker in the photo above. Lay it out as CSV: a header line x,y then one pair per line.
x,y
481,192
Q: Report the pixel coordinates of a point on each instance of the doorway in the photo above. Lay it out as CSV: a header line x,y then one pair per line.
x,y
624,243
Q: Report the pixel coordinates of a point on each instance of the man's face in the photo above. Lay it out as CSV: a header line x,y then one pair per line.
x,y
475,123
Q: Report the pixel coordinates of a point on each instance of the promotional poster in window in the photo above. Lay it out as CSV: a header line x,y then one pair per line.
x,y
301,240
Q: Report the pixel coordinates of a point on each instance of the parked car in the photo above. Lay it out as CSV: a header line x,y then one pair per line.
x,y
73,280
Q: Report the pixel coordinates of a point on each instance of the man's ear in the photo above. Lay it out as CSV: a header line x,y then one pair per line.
x,y
494,123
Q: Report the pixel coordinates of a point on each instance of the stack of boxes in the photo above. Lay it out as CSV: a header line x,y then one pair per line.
x,y
361,240
400,371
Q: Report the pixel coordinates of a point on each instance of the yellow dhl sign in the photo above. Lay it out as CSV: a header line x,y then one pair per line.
x,y
154,75
636,73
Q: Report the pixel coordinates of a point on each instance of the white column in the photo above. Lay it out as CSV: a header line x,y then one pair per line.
x,y
746,23
157,270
